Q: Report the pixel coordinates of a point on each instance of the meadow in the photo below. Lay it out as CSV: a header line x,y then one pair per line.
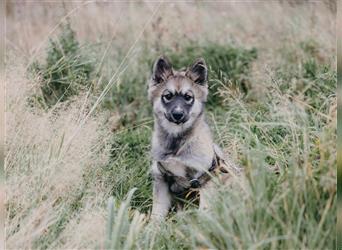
x,y
78,123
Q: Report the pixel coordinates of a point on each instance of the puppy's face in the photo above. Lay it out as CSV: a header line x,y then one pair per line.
x,y
178,98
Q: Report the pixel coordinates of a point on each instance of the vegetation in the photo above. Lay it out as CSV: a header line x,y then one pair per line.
x,y
78,175
65,73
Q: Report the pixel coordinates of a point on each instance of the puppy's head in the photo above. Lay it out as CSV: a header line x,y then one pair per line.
x,y
178,97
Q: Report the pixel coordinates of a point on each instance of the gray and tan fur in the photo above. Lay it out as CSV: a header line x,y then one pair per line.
x,y
181,142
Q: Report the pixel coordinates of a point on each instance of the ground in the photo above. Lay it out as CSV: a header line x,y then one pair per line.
x,y
78,123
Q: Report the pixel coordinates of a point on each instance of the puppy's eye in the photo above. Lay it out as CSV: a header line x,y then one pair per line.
x,y
168,96
188,98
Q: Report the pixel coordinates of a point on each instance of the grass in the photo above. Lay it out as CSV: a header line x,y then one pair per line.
x,y
81,180
65,72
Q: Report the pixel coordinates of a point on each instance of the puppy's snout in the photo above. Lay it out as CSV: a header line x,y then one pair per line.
x,y
177,115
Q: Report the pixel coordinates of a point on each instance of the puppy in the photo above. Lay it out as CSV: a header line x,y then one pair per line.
x,y
184,156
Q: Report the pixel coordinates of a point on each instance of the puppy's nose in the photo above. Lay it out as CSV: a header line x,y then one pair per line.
x,y
177,115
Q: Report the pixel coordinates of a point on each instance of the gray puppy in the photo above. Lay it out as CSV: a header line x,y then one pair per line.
x,y
184,154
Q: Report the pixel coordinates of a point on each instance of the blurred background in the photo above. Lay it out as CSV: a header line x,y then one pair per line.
x,y
78,122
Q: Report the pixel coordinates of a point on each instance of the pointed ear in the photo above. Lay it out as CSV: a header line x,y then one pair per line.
x,y
162,70
198,72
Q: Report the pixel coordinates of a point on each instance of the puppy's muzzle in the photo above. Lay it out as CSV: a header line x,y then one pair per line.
x,y
177,116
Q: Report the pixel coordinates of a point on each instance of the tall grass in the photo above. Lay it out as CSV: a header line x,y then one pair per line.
x,y
80,180
65,73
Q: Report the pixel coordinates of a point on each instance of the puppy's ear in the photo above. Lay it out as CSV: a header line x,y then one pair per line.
x,y
198,72
162,70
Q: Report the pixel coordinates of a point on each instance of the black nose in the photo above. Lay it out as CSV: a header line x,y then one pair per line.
x,y
177,115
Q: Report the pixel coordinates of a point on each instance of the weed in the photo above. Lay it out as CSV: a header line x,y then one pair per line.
x,y
65,72
129,166
124,225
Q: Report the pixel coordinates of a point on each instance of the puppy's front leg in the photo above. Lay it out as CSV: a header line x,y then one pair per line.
x,y
161,198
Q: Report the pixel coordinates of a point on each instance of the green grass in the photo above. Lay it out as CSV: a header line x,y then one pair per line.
x,y
288,126
65,72
129,167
